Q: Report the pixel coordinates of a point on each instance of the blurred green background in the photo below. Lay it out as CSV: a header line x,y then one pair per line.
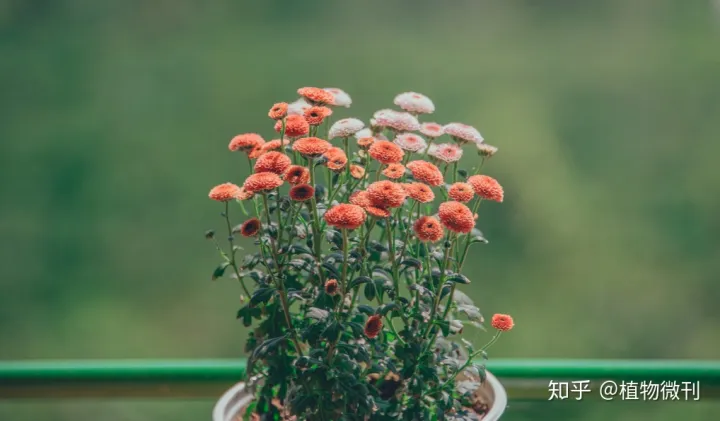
x,y
114,123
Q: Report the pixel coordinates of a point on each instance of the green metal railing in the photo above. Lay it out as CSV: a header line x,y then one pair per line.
x,y
524,379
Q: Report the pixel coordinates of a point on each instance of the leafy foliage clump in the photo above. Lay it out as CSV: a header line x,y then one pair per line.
x,y
353,291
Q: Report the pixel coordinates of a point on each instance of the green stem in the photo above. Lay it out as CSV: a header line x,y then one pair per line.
x,y
232,249
473,355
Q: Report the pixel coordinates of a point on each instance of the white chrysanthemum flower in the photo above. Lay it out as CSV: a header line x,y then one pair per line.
x,y
432,149
447,152
463,133
415,103
410,142
298,107
366,132
398,121
432,130
345,127
342,99
486,150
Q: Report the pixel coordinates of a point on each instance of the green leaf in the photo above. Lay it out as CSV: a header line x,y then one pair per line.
x,y
458,278
366,309
412,262
262,295
359,281
476,236
218,272
444,327
386,308
370,291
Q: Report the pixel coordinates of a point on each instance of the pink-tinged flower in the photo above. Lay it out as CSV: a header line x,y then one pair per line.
x,y
340,97
357,171
295,126
366,132
486,150
428,229
298,107
224,192
456,217
425,172
447,152
345,127
462,192
386,194
263,181
410,142
278,111
503,322
345,216
415,103
273,161
244,194
398,121
462,133
432,130
487,187
245,142
316,96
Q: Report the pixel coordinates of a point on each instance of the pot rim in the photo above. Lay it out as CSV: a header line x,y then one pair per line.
x,y
235,398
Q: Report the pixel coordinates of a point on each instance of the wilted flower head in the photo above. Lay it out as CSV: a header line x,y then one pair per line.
x,y
373,326
311,146
486,150
315,115
345,127
298,107
447,152
398,121
415,103
386,152
263,181
245,142
345,216
331,287
316,96
302,192
456,217
224,192
462,133
410,142
295,126
340,97
425,172
487,187
273,161
432,130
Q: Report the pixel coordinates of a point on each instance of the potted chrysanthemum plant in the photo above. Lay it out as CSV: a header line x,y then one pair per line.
x,y
353,289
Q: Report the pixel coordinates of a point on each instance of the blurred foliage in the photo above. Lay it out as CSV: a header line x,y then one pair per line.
x,y
115,118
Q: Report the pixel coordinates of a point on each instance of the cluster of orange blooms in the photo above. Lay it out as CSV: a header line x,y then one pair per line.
x,y
401,174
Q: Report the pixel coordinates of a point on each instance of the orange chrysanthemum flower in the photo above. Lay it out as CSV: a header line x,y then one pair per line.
x,y
224,192
360,198
250,228
263,181
274,162
503,322
462,192
316,115
394,171
428,228
297,174
425,172
487,187
331,287
244,194
365,142
377,212
278,111
245,142
386,152
316,95
386,194
256,152
456,217
356,171
345,216
336,159
373,326
311,146
275,144
295,126
420,192
302,192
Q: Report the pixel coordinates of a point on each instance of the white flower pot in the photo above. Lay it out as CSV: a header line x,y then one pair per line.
x,y
231,403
